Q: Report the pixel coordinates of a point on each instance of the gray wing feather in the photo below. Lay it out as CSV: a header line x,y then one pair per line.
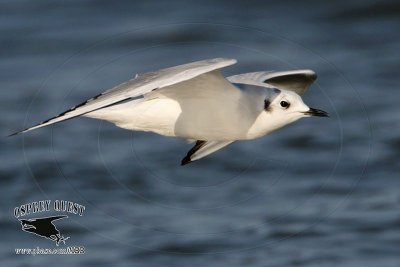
x,y
295,80
140,85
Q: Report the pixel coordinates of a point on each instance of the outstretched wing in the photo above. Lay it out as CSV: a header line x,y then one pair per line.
x,y
294,80
139,86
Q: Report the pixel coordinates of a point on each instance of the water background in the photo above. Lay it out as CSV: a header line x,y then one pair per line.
x,y
320,192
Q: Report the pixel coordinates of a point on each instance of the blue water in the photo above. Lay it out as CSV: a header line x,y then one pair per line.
x,y
320,192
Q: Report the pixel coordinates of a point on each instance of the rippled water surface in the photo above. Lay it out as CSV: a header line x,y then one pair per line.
x,y
320,192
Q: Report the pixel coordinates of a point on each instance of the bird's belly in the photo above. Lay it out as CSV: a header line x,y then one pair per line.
x,y
165,116
154,116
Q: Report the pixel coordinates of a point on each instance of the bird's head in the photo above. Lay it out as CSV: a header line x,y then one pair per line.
x,y
290,105
287,106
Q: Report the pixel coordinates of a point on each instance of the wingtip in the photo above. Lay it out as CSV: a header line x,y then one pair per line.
x,y
312,75
186,160
19,132
13,134
223,60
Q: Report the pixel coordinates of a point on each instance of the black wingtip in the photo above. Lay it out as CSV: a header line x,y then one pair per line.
x,y
186,160
19,132
13,134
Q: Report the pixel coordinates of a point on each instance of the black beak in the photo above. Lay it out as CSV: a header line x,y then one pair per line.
x,y
316,112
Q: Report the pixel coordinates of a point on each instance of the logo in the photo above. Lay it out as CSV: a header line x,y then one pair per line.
x,y
49,225
44,227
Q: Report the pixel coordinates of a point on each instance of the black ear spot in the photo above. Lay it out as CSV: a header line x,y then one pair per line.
x,y
267,104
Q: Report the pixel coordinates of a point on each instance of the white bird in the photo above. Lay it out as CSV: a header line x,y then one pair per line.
x,y
195,102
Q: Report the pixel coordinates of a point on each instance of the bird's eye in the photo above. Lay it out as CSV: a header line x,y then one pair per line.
x,y
285,104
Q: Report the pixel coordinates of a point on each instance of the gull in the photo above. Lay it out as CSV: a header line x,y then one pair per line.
x,y
196,102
